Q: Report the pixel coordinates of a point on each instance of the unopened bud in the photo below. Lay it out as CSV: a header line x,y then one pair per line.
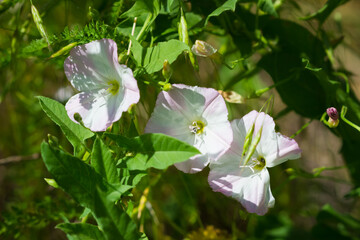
x,y
333,123
333,114
232,97
51,182
167,70
167,87
203,49
78,118
53,141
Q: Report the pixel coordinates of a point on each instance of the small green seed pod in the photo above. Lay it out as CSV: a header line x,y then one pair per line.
x,y
64,50
253,145
184,37
248,139
182,29
39,24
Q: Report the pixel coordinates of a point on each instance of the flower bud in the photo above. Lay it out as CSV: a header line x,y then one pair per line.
x,y
167,70
232,97
333,114
53,141
51,182
203,49
39,25
78,118
167,87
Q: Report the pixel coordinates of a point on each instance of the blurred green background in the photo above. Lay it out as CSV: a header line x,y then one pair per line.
x,y
180,205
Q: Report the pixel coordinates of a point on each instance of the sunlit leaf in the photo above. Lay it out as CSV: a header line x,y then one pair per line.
x,y
75,133
154,150
103,161
228,5
152,59
74,176
141,7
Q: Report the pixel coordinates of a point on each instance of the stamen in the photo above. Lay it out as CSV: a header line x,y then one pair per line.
x,y
197,127
260,163
113,87
255,164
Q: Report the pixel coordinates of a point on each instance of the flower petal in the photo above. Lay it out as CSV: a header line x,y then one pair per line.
x,y
166,119
279,150
98,110
252,190
194,164
262,120
90,66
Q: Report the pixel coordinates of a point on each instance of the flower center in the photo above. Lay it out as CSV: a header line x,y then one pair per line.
x,y
259,163
113,87
197,127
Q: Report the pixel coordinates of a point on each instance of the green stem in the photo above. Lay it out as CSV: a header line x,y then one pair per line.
x,y
144,27
259,92
342,115
301,129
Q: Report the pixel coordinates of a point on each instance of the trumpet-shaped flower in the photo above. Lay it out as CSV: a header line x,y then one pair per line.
x,y
249,181
197,116
107,89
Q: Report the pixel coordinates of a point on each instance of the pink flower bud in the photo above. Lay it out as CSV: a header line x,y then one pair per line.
x,y
332,113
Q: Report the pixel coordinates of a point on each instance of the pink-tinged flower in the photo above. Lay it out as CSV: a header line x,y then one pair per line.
x,y
107,89
249,183
197,116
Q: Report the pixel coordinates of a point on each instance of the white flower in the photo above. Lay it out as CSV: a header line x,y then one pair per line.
x,y
107,89
249,182
197,116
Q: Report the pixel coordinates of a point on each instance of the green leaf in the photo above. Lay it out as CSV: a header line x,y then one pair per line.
x,y
228,5
142,7
113,220
267,6
81,231
74,176
75,133
154,150
152,59
326,10
103,161
301,88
